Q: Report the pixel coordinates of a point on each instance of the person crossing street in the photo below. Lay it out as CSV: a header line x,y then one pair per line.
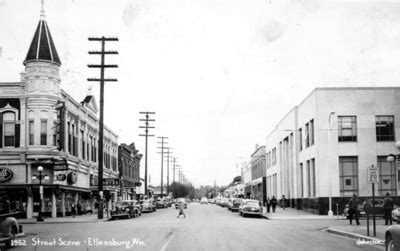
x,y
181,211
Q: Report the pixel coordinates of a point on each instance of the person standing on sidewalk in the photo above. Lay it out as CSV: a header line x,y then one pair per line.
x,y
353,209
273,203
73,209
268,201
283,202
388,205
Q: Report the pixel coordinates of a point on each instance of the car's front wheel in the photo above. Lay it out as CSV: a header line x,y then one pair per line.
x,y
14,231
389,243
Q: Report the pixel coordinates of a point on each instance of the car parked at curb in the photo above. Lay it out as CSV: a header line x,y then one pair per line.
x,y
235,204
147,206
392,238
396,215
203,201
250,207
126,208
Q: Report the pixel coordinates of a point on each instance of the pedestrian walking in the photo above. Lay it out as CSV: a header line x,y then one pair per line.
x,y
353,209
283,202
268,204
388,206
181,212
73,210
273,203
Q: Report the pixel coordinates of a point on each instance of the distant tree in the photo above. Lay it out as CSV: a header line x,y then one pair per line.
x,y
237,179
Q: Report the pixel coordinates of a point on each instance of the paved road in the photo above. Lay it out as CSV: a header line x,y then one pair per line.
x,y
207,227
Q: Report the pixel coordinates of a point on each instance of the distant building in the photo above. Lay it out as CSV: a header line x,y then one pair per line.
x,y
324,146
258,174
129,170
42,125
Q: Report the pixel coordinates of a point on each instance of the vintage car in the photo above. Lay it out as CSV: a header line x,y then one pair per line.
x,y
366,207
396,215
161,203
126,208
392,238
204,200
250,207
9,227
179,201
235,204
147,206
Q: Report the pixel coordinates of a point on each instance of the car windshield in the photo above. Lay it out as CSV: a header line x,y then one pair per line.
x,y
252,203
122,203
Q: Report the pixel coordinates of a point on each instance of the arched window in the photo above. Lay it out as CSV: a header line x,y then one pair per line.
x,y
9,129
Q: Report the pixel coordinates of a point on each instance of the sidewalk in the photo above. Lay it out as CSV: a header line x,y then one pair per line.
x,y
68,219
294,214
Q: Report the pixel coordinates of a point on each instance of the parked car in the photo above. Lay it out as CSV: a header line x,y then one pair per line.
x,y
392,238
126,208
250,207
204,200
211,201
9,227
396,215
147,206
224,202
235,204
180,200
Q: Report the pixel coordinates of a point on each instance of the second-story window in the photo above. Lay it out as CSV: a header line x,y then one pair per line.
x,y
43,132
31,132
9,129
347,128
385,128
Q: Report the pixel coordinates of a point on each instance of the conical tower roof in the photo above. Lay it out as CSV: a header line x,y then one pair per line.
x,y
42,46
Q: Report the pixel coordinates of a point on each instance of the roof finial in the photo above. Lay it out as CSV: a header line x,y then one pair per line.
x,y
42,15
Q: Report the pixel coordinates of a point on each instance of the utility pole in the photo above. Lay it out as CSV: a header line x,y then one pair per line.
x,y
146,128
102,80
173,170
162,161
168,152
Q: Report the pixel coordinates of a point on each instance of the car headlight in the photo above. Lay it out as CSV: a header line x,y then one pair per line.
x,y
127,209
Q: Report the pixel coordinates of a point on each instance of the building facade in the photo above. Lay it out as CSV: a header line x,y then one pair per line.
x,y
129,170
323,147
258,173
41,125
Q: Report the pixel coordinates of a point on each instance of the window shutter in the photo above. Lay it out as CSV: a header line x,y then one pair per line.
x,y
17,135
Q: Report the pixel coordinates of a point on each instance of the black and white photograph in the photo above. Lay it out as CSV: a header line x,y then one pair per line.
x,y
176,125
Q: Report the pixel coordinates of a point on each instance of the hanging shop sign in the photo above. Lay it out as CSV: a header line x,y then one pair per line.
x,y
5,174
112,182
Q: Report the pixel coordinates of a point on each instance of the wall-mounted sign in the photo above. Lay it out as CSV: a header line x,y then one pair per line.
x,y
60,165
72,177
113,182
5,174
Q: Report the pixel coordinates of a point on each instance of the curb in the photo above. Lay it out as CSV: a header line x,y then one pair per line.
x,y
355,236
60,222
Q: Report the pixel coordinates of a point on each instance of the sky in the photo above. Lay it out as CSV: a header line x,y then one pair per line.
x,y
220,74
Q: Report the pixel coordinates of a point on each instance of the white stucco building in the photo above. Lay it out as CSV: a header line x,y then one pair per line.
x,y
324,146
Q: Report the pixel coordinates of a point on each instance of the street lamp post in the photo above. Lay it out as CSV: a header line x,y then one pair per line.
x,y
41,177
330,212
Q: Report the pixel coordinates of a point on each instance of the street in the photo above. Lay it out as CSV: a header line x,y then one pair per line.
x,y
207,227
